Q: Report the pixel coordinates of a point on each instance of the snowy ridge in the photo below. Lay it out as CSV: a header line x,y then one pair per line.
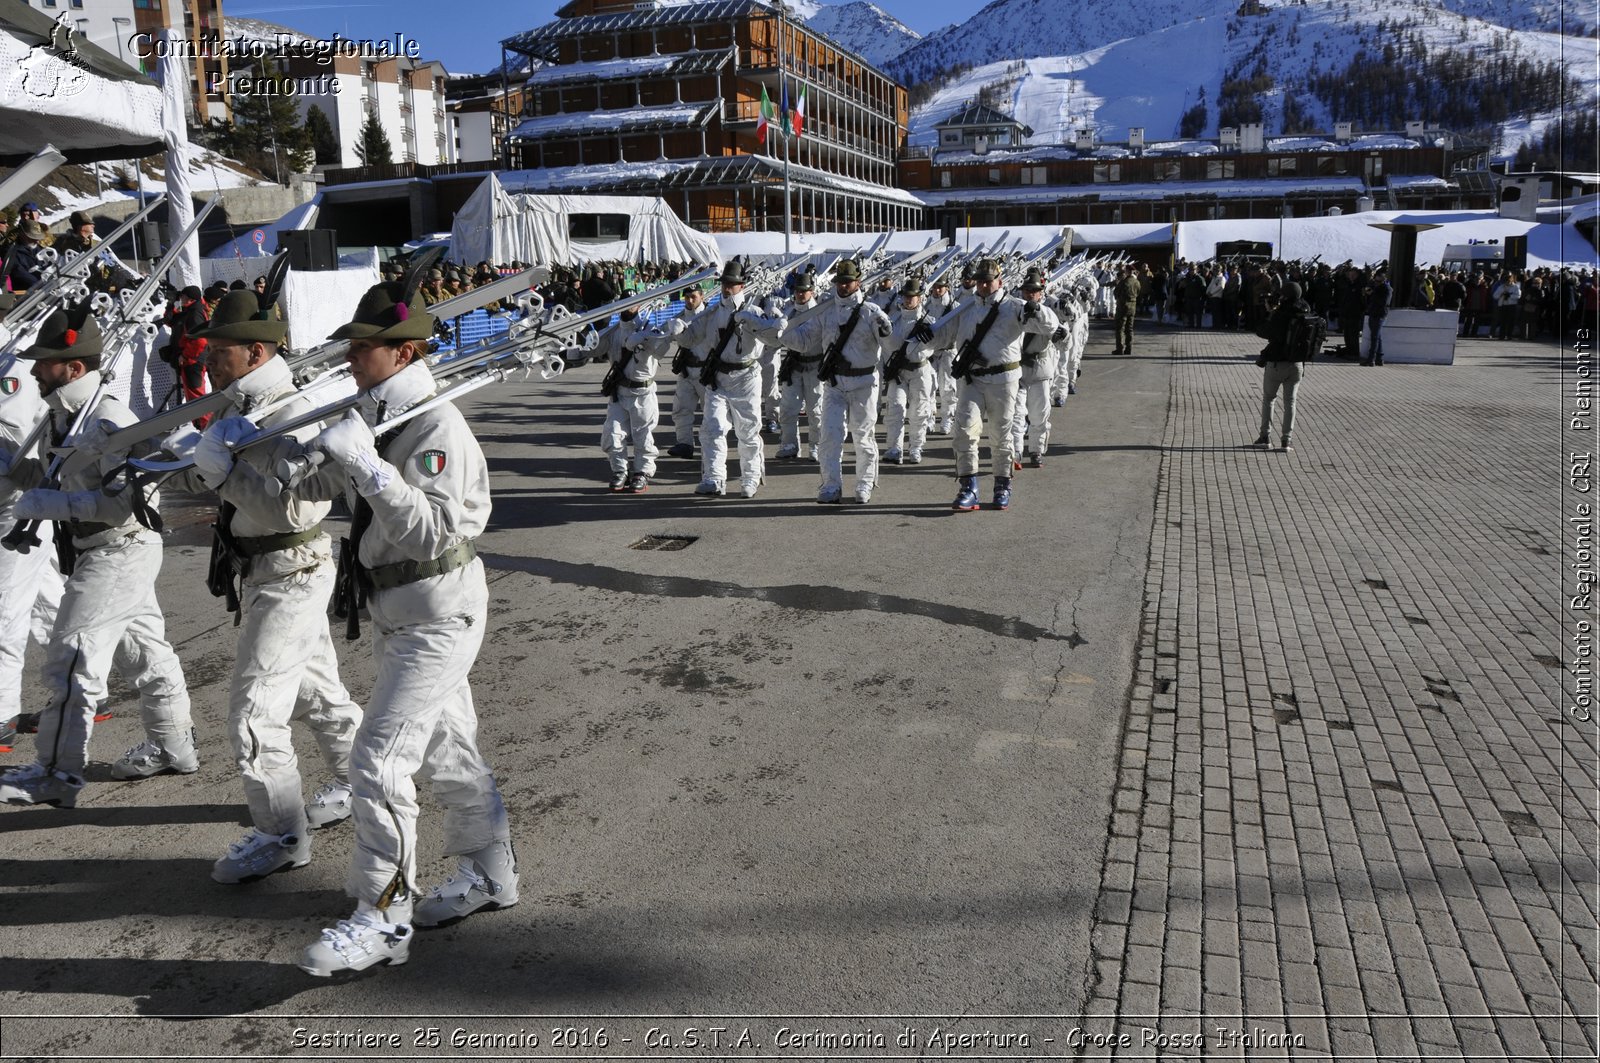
x,y
1150,79
255,29
865,29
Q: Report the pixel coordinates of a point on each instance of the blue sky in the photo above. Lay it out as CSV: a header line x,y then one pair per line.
x,y
465,34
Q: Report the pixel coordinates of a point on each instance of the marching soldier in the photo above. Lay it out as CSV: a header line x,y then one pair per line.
x,y
908,376
849,334
797,374
632,412
420,498
273,562
988,331
939,303
725,344
689,395
109,612
1073,308
30,583
1030,421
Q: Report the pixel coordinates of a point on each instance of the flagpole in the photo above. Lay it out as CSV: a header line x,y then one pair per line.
x,y
788,224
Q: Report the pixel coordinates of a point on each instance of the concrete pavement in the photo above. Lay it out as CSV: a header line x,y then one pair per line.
x,y
1192,738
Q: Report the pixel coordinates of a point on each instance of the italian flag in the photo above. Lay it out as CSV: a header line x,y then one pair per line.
x,y
767,115
799,110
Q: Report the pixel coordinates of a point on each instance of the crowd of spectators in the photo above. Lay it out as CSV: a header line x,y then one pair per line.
x,y
1527,305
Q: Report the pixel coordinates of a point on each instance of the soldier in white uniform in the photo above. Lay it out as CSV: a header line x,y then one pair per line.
x,y
987,331
109,612
797,375
30,583
1030,419
273,562
725,343
849,333
1073,309
689,395
908,376
632,412
420,498
939,303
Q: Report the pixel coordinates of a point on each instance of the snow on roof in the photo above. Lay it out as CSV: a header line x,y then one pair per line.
x,y
1379,141
681,114
1111,193
1417,181
1302,144
600,70
1183,147
844,184
561,178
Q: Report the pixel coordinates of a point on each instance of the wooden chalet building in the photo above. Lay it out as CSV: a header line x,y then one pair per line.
x,y
664,99
980,170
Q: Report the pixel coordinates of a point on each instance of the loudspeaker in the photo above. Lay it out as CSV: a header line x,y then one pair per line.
x,y
1517,253
1402,262
311,249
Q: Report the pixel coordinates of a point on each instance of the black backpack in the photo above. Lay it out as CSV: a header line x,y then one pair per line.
x,y
1307,331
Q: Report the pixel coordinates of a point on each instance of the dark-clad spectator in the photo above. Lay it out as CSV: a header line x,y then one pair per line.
x,y
1379,295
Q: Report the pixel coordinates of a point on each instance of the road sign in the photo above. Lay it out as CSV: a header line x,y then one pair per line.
x,y
259,236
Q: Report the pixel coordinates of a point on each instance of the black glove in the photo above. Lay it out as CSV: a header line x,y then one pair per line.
x,y
1030,310
1059,334
923,332
1261,362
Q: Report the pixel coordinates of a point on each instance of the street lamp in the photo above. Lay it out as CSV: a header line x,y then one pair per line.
x,y
119,22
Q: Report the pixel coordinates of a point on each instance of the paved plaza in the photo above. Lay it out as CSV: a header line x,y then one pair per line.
x,y
1197,750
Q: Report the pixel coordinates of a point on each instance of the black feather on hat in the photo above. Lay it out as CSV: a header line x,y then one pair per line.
x,y
391,311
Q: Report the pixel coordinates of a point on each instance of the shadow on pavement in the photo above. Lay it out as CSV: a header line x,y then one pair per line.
x,y
528,972
134,816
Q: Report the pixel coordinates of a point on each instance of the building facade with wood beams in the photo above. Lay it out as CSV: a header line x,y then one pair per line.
x,y
665,98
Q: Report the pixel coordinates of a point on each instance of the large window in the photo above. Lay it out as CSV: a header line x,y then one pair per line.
x,y
605,228
1107,172
1219,169
1282,167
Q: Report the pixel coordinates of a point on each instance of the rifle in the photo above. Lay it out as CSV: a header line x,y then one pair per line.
x,y
44,297
833,360
24,536
78,457
490,364
967,358
708,372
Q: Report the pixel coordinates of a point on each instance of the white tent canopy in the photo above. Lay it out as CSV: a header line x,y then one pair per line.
x,y
498,226
58,88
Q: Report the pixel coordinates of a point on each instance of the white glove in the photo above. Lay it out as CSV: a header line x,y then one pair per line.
x,y
349,441
213,455
180,443
44,504
771,305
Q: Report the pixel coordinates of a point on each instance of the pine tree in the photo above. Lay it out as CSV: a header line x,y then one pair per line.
x,y
267,126
324,143
372,143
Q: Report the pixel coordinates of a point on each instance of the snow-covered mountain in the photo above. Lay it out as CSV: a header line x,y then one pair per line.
x,y
1067,80
864,28
256,29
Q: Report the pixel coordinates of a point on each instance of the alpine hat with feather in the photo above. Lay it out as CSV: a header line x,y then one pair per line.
x,y
240,316
392,312
65,336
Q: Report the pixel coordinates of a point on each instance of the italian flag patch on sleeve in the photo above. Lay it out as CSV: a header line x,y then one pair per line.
x,y
9,385
432,462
